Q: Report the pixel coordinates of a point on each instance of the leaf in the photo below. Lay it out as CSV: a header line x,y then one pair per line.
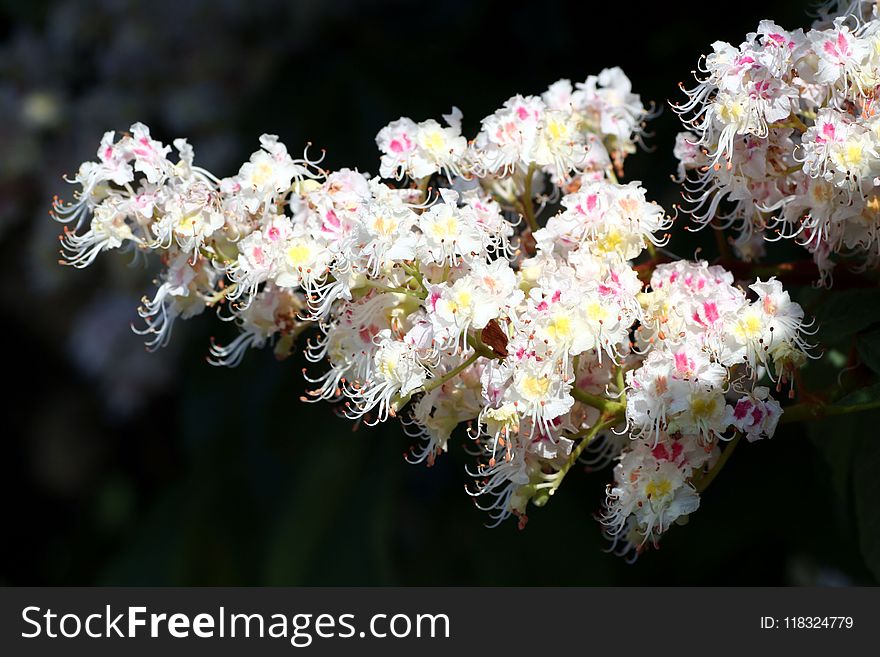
x,y
869,349
835,440
861,396
866,487
851,448
845,313
494,337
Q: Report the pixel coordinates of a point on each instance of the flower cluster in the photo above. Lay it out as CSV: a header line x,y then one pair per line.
x,y
584,127
707,344
440,298
783,139
69,71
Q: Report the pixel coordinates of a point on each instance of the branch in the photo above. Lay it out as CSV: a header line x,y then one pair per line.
x,y
704,481
798,272
528,206
394,290
816,411
451,374
607,406
545,489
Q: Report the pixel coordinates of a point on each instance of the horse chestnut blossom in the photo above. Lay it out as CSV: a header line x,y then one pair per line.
x,y
783,139
506,290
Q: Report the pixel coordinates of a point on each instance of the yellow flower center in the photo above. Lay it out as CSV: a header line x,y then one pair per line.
x,y
658,488
463,298
384,226
611,242
731,112
851,155
388,368
535,388
749,327
559,327
261,174
434,141
703,407
596,312
188,224
557,131
299,254
445,228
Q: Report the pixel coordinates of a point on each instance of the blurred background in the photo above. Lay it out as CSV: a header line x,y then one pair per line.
x,y
156,469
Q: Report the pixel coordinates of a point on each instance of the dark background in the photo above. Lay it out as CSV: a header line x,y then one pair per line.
x,y
126,468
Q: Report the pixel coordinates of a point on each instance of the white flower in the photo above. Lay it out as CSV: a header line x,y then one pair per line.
x,y
191,216
397,141
508,136
420,150
609,95
269,171
839,53
149,154
449,234
650,493
756,414
302,259
180,294
108,229
839,150
387,235
696,408
396,373
538,393
439,148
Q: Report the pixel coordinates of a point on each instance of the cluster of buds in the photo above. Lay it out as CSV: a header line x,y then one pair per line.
x,y
436,295
783,140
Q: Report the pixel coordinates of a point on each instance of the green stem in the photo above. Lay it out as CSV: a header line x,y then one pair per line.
x,y
528,206
215,255
219,296
451,374
478,346
794,121
812,411
707,478
422,184
551,485
797,123
607,406
582,445
394,290
621,384
413,270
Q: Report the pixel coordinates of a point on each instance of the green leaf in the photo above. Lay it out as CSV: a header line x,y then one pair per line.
x,y
851,448
866,486
861,396
869,349
845,313
835,440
